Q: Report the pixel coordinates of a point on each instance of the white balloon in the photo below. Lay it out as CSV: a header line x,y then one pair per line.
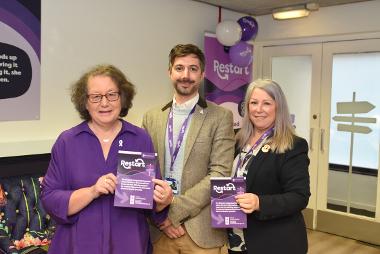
x,y
228,32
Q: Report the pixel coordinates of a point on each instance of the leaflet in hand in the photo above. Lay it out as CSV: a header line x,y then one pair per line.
x,y
135,172
225,212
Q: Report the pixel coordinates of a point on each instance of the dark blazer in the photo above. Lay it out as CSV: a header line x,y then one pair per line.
x,y
282,183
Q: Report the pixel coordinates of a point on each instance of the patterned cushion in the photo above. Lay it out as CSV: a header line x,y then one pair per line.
x,y
24,223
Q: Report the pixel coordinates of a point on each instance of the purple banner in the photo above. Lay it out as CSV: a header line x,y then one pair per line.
x,y
225,83
135,172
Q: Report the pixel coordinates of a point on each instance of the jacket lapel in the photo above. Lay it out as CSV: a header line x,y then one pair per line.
x,y
197,119
254,165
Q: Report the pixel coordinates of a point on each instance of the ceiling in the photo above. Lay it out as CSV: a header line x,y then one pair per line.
x,y
263,7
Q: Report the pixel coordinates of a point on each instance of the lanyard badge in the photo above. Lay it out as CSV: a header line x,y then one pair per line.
x,y
174,151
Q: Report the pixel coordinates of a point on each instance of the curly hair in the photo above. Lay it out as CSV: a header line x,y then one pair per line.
x,y
79,89
182,50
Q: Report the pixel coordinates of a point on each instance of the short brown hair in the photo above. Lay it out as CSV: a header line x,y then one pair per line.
x,y
182,50
79,89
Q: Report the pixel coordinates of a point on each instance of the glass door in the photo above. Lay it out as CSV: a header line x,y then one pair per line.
x,y
350,140
297,69
333,89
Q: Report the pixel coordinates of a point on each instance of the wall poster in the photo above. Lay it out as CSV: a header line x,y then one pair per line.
x,y
20,59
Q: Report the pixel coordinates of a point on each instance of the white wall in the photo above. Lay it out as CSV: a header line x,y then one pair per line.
x,y
134,35
362,17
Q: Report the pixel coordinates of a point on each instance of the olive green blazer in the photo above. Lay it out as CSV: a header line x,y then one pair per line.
x,y
209,151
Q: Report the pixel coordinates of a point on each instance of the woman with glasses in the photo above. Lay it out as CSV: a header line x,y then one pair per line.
x,y
80,182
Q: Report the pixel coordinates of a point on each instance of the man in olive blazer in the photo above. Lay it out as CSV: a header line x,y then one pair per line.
x,y
208,149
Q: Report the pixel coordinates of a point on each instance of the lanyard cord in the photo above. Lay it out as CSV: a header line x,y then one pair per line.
x,y
173,154
241,161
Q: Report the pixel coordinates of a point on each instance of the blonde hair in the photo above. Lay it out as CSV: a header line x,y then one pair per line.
x,y
283,136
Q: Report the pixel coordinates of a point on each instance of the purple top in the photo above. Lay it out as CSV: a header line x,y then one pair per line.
x,y
77,161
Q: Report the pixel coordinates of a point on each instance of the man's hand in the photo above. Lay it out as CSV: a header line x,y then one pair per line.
x,y
171,231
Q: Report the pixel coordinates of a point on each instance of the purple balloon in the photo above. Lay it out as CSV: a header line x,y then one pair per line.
x,y
249,28
241,54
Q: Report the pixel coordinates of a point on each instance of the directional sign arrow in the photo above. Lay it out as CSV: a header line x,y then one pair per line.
x,y
354,119
354,128
354,107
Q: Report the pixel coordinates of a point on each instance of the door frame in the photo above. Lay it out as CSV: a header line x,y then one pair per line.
x,y
329,221
315,51
335,222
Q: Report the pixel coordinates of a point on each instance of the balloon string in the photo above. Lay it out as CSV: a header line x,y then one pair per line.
x,y
220,15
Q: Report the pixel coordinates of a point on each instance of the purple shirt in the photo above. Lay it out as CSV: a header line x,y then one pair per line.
x,y
77,161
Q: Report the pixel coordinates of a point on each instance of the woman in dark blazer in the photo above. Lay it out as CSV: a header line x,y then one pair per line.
x,y
275,163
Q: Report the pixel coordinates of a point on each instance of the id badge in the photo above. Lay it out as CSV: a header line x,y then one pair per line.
x,y
173,184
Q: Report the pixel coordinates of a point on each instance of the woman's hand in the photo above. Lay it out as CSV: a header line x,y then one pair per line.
x,y
80,198
163,194
105,184
248,202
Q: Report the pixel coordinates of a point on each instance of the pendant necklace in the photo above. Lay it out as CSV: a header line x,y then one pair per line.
x,y
105,140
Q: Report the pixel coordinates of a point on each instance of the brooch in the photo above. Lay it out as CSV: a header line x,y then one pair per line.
x,y
265,148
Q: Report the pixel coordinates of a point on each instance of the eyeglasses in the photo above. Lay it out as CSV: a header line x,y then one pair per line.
x,y
96,98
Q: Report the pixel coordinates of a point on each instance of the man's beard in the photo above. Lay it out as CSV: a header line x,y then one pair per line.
x,y
191,89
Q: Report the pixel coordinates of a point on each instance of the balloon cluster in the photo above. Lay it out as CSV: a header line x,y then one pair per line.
x,y
233,35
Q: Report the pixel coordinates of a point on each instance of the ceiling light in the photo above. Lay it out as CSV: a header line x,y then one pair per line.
x,y
291,12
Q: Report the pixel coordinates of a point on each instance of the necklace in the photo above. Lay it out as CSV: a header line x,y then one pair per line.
x,y
110,135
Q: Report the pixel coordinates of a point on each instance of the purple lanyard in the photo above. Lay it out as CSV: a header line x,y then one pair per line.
x,y
241,161
173,154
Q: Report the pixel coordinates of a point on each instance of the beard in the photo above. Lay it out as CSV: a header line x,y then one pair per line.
x,y
190,87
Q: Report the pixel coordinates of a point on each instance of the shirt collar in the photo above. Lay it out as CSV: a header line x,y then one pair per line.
x,y
201,103
83,127
186,105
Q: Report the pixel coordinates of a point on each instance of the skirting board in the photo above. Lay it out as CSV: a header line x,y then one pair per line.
x,y
351,227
